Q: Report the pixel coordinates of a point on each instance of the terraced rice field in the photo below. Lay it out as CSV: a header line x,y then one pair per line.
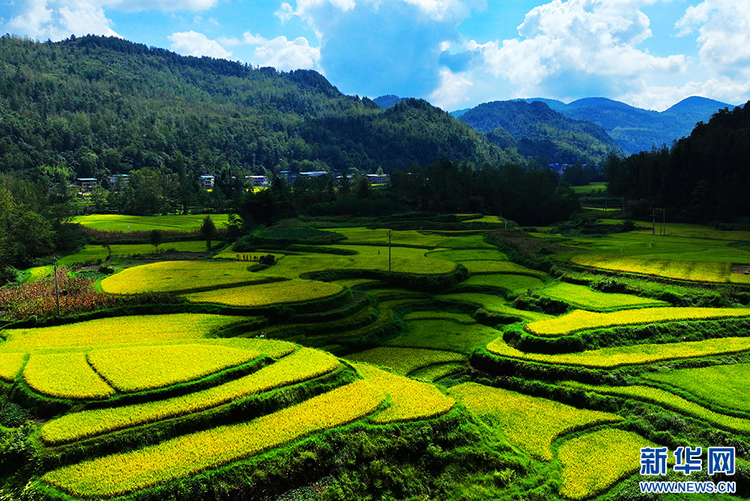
x,y
724,385
96,252
301,366
10,365
513,284
629,355
65,375
468,254
494,304
115,331
175,276
529,422
121,473
482,267
409,399
288,291
444,335
580,320
403,361
671,401
582,297
117,222
141,368
594,461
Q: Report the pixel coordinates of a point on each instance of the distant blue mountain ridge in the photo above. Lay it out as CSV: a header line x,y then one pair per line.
x,y
634,129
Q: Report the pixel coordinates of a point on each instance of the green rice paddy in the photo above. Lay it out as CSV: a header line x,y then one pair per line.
x,y
116,222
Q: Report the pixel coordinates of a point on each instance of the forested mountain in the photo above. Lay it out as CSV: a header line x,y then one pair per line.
x,y
94,106
636,129
703,177
535,130
387,101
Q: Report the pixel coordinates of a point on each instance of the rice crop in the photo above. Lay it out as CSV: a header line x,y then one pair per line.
x,y
579,320
530,422
492,303
300,366
288,291
404,360
434,372
481,266
140,368
271,347
593,462
99,252
629,355
65,375
409,399
587,299
10,365
515,284
114,331
175,276
726,385
461,318
124,223
379,237
681,269
354,282
444,335
119,474
468,254
666,399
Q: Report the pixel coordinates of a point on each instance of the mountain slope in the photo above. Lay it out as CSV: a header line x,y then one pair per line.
x,y
94,106
538,131
636,129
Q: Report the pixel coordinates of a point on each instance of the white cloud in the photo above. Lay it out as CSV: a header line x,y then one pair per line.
x,y
724,35
286,55
191,43
163,5
58,19
452,92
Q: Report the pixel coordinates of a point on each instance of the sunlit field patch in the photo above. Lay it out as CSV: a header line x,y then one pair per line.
x,y
172,276
530,422
121,473
672,401
99,252
496,304
594,461
300,366
379,237
10,365
583,297
726,385
118,222
629,355
468,254
65,375
434,372
579,320
444,334
404,360
409,399
288,291
681,269
140,368
113,331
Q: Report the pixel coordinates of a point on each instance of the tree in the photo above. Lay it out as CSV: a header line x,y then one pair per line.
x,y
155,238
208,230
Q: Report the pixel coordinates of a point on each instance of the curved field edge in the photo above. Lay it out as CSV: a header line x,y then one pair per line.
x,y
300,366
122,473
640,354
579,320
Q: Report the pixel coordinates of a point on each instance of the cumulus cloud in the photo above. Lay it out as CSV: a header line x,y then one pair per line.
x,y
191,43
286,55
724,35
58,19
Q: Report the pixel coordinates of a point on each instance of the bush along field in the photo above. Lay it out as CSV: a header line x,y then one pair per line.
x,y
314,361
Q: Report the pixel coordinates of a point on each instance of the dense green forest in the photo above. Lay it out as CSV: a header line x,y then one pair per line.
x,y
703,177
534,130
94,106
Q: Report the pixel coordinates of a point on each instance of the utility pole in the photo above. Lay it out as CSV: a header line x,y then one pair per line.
x,y
390,233
653,221
57,290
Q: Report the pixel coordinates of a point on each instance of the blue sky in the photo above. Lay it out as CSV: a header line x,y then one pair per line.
x,y
454,53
